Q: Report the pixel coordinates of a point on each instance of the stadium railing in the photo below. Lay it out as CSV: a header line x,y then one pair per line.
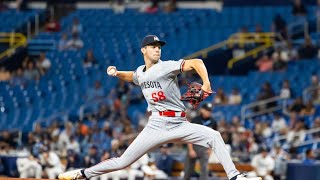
x,y
247,110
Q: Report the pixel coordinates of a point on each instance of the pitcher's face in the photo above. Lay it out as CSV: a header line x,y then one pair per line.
x,y
152,52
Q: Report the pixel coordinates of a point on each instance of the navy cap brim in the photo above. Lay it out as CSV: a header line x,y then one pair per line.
x,y
162,43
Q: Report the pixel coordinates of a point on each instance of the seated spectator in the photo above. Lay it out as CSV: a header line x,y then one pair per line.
x,y
171,6
309,109
285,91
279,25
293,120
154,8
289,52
280,157
89,60
52,25
76,27
279,62
297,106
31,73
22,5
298,9
75,42
279,124
266,92
51,163
62,44
307,50
297,135
29,167
96,92
118,7
220,98
4,74
18,78
74,160
92,158
309,157
165,161
235,97
263,165
316,125
43,64
264,63
314,89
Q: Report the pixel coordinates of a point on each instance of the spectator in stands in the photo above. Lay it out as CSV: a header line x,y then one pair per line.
x,y
4,74
154,8
266,92
118,7
74,160
64,137
285,91
289,53
62,44
264,63
307,50
52,25
95,93
76,27
314,89
144,6
220,98
297,105
199,152
22,5
165,161
298,9
309,109
29,167
279,54
235,97
279,25
279,124
51,163
279,63
171,6
316,125
89,60
43,64
280,157
31,73
263,165
73,145
75,43
309,157
297,135
18,78
92,157
122,90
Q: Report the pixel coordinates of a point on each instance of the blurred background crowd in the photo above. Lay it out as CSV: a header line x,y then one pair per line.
x,y
59,111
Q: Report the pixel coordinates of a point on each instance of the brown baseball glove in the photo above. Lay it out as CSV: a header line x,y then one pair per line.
x,y
195,95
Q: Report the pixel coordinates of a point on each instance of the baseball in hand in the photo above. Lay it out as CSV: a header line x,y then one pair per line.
x,y
112,71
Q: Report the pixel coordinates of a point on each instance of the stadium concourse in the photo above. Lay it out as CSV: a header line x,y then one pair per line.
x,y
57,103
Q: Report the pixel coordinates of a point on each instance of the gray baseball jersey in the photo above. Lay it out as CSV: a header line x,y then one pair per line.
x,y
159,85
160,88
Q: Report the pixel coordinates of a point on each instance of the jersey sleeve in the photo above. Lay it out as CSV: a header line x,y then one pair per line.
x,y
175,67
135,77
